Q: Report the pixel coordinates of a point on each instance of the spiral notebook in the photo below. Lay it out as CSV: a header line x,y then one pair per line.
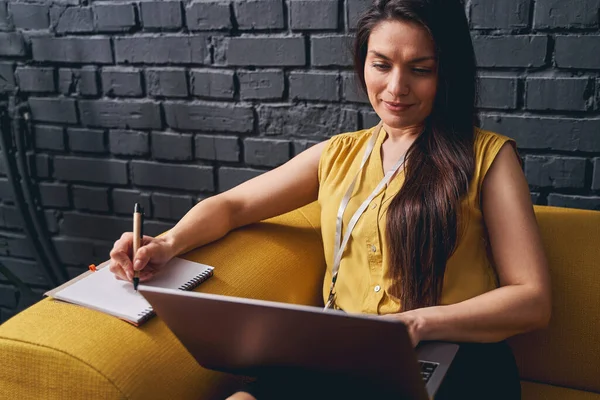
x,y
101,291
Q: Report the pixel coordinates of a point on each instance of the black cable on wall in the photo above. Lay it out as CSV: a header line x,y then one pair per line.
x,y
14,122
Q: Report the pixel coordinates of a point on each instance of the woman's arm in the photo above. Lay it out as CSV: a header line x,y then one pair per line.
x,y
283,189
523,301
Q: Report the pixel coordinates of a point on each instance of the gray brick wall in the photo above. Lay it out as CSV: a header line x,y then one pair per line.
x,y
168,102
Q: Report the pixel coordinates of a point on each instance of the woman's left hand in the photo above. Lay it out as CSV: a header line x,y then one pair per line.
x,y
414,322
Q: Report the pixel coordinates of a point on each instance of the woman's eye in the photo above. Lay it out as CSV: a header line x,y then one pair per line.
x,y
380,66
422,71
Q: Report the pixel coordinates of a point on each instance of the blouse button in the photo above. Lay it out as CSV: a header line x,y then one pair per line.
x,y
373,248
377,288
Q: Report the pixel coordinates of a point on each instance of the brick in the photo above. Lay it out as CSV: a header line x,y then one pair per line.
x,y
354,9
172,176
129,143
54,194
319,86
208,15
53,110
535,198
49,137
125,199
10,217
555,172
259,14
306,120
30,16
12,44
51,218
119,81
212,84
90,198
231,177
82,81
266,152
78,169
167,82
261,85
161,14
86,140
574,51
26,270
169,206
79,50
114,17
314,14
155,228
5,18
15,245
554,93
7,78
105,227
498,92
572,201
41,164
227,148
331,50
8,296
500,14
36,79
221,148
178,49
351,90
369,119
510,51
209,117
562,14
265,51
135,114
596,176
298,146
6,190
547,133
74,251
171,146
72,19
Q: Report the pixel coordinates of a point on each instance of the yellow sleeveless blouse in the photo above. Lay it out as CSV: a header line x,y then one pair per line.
x,y
363,283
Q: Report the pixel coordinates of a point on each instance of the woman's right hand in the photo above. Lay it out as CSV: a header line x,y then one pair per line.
x,y
153,254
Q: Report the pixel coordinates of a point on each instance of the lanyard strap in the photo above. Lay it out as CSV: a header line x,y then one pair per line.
x,y
340,244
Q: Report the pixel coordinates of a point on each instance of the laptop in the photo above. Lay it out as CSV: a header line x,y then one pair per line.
x,y
248,337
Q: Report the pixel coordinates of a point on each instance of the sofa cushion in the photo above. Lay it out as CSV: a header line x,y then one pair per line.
x,y
567,353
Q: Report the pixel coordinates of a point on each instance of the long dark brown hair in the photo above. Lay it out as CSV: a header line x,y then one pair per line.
x,y
423,219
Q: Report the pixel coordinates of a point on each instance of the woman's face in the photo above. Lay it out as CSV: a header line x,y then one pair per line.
x,y
401,73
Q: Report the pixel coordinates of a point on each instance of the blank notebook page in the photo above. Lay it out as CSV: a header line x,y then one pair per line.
x,y
103,292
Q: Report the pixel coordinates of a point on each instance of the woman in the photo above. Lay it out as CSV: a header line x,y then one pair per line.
x,y
449,245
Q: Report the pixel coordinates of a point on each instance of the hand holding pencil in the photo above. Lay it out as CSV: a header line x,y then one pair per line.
x,y
135,257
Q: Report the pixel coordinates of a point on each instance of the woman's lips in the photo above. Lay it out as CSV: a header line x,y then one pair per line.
x,y
397,107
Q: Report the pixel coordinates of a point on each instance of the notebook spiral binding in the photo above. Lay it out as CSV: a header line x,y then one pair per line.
x,y
197,280
146,314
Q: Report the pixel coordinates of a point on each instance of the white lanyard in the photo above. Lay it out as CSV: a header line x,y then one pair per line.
x,y
340,244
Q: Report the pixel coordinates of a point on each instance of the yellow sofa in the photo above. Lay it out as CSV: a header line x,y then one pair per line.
x,y
60,351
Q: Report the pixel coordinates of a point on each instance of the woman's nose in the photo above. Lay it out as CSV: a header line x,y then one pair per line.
x,y
398,84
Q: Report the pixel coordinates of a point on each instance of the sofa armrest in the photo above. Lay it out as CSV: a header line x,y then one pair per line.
x,y
55,350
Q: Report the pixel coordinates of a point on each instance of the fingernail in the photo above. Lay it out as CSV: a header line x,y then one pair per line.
x,y
137,265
